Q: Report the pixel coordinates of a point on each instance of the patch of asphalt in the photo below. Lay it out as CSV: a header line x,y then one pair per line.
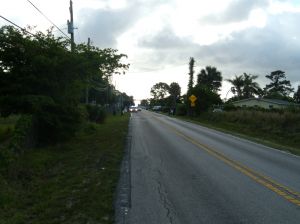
x,y
123,191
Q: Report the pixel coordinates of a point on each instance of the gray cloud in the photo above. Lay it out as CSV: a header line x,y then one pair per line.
x,y
105,25
164,40
274,47
237,10
254,50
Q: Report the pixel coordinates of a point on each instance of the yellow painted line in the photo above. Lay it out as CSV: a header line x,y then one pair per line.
x,y
281,190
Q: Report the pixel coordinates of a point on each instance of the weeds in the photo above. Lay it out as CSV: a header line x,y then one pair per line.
x,y
282,128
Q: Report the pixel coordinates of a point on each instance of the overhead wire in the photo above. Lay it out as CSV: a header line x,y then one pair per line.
x,y
48,19
17,25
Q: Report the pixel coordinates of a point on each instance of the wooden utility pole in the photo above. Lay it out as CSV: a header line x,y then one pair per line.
x,y
87,81
71,26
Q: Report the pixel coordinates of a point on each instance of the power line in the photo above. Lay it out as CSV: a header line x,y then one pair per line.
x,y
17,25
47,18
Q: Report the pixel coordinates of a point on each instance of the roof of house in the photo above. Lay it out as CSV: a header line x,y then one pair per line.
x,y
273,101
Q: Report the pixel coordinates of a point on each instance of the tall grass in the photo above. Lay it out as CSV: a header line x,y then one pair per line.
x,y
72,182
279,127
7,126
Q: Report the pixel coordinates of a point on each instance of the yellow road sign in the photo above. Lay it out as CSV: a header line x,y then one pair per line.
x,y
192,98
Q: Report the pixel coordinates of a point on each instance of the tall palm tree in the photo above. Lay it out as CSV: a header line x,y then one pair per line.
x,y
238,84
211,78
245,85
251,88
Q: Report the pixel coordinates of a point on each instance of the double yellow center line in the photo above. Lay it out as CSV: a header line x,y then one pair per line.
x,y
281,190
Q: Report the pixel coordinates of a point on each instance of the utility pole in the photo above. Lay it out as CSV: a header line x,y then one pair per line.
x,y
71,26
87,81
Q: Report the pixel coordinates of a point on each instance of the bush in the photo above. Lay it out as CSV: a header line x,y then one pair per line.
x,y
181,109
96,113
229,107
57,122
165,109
24,135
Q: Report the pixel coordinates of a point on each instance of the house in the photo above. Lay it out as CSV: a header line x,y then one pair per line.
x,y
264,103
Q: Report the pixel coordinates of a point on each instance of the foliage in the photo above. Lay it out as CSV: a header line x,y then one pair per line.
x,y
159,90
145,103
127,100
56,123
181,109
237,83
23,136
297,95
205,98
251,88
211,78
174,91
96,113
41,77
99,65
61,183
277,126
191,74
279,86
7,126
245,86
229,107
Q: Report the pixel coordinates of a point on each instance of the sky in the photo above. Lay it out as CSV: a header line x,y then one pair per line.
x,y
160,36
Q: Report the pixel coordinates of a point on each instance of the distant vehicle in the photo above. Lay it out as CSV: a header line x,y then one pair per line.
x,y
157,108
217,110
133,109
139,109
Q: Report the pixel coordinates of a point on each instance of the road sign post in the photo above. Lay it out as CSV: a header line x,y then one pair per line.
x,y
193,99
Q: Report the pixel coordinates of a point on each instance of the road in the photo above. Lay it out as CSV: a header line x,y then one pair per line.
x,y
186,173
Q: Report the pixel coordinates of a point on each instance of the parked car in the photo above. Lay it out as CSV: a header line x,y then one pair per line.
x,y
157,108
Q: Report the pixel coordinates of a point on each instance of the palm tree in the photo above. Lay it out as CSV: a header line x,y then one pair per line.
x,y
211,78
238,84
251,88
245,86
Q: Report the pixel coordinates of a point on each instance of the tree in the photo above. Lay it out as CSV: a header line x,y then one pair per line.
x,y
174,91
159,90
279,87
99,65
297,95
245,86
238,83
41,77
211,78
144,103
250,88
191,74
205,98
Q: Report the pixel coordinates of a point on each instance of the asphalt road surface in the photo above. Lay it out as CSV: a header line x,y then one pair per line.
x,y
186,173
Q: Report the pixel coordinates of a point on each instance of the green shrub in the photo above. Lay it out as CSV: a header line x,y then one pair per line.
x,y
96,113
165,109
24,136
181,109
57,122
229,107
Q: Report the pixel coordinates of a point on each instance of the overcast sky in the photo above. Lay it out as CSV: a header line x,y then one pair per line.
x,y
159,36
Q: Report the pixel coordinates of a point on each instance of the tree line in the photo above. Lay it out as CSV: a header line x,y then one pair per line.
x,y
209,83
41,77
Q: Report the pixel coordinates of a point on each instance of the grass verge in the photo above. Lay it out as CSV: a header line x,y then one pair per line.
x,y
284,139
69,183
7,126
